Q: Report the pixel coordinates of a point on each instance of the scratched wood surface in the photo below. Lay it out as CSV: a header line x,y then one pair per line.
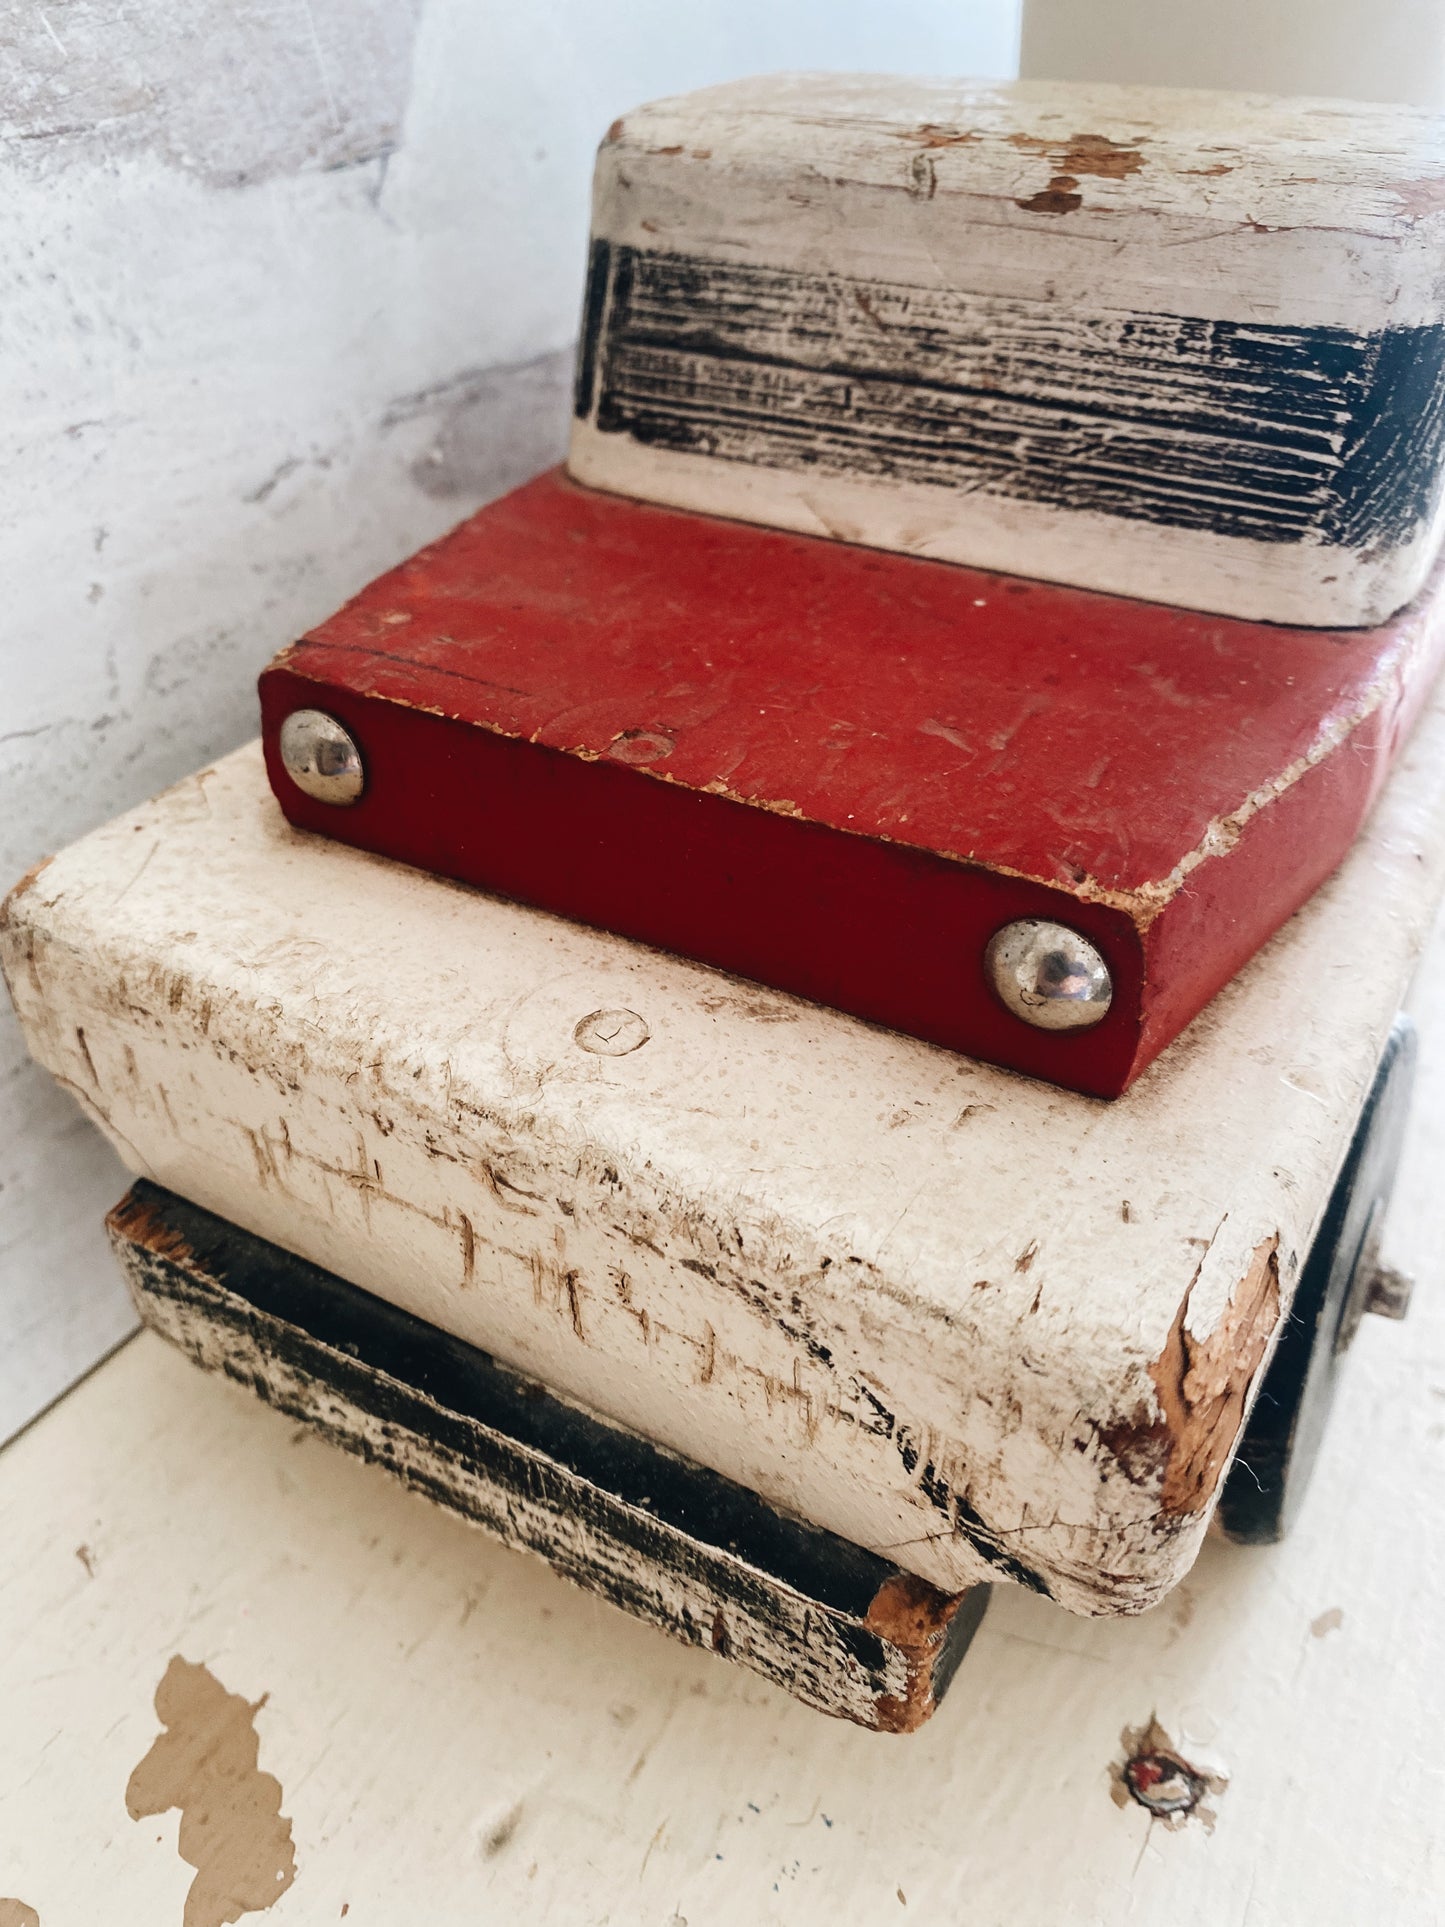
x,y
984,1328
1174,344
454,1735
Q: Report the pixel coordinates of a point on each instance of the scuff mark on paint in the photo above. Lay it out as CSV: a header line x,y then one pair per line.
x,y
232,1829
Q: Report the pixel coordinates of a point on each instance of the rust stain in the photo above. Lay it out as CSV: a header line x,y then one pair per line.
x,y
1209,173
232,1829
1202,1383
15,1913
915,1617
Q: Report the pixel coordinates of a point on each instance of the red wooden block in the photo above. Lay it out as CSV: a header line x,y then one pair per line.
x,y
840,771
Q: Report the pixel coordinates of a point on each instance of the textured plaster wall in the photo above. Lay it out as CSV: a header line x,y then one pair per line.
x,y
290,287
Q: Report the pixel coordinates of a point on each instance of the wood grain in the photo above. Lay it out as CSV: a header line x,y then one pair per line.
x,y
1280,434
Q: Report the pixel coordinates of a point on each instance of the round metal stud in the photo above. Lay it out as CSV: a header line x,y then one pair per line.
x,y
1048,975
321,757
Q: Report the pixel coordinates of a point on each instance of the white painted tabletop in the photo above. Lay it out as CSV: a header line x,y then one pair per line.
x,y
459,1737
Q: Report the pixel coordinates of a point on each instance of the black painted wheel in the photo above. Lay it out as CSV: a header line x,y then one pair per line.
x,y
1276,1457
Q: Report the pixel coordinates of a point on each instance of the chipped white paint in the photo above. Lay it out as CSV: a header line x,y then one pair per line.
x,y
710,171
841,1267
290,289
1227,207
459,1736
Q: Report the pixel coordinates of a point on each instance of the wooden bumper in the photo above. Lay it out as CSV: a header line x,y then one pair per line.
x,y
668,1541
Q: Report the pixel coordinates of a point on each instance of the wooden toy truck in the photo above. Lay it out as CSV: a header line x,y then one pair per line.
x,y
786,1332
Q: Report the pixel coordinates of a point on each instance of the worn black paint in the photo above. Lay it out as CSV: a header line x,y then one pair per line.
x,y
1278,433
955,1507
594,305
627,1512
1272,1468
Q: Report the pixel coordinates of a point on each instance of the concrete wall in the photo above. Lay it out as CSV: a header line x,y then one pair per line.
x,y
290,290
1356,49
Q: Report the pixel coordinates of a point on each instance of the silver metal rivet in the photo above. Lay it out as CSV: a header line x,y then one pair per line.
x,y
1048,975
321,757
